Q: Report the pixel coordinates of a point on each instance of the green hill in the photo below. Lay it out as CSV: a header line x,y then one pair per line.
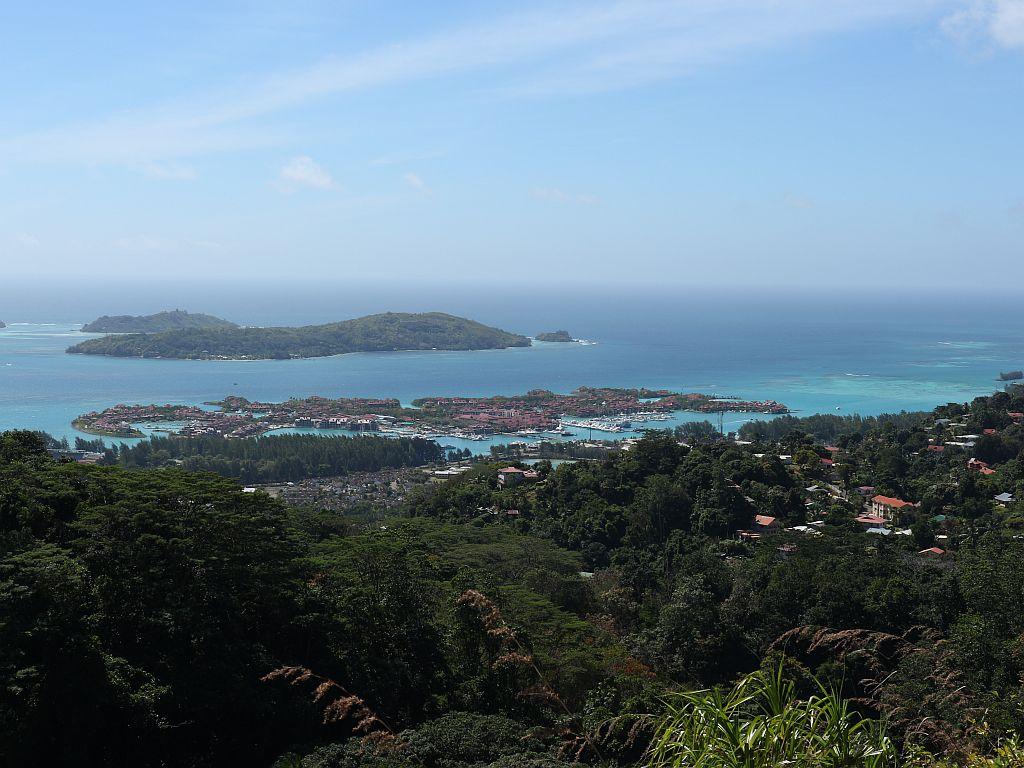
x,y
161,321
562,336
388,332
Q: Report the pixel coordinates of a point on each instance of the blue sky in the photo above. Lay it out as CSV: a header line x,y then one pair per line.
x,y
691,142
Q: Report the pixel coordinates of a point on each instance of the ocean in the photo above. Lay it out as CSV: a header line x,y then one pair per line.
x,y
836,352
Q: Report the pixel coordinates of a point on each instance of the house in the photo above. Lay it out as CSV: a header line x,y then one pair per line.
x,y
936,449
889,508
1016,416
511,476
1004,498
932,552
980,466
866,490
870,521
762,526
879,531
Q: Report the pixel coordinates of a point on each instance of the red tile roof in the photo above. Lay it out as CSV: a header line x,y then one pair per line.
x,y
889,501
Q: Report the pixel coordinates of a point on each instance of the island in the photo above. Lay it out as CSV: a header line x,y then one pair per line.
x,y
562,336
3,324
162,321
386,332
535,413
1011,376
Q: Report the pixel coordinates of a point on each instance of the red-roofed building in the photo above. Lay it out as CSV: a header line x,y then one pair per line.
x,y
980,466
870,521
764,523
932,552
510,476
889,508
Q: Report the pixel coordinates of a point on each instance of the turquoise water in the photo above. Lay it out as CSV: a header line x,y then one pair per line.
x,y
814,355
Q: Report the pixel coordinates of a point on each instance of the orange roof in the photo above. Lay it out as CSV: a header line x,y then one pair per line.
x,y
889,501
512,469
764,520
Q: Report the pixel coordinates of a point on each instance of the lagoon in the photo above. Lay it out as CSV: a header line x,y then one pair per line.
x,y
815,356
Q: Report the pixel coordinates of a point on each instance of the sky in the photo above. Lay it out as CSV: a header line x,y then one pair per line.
x,y
842,144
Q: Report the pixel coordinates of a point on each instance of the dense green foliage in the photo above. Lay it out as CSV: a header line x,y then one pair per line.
x,y
279,458
161,321
162,617
386,332
761,722
826,427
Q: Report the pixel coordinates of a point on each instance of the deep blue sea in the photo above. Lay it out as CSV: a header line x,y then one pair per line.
x,y
832,351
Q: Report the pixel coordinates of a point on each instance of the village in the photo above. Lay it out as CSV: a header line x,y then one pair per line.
x,y
882,515
535,413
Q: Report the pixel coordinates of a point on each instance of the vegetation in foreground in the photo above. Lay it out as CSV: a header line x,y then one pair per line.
x,y
605,614
388,332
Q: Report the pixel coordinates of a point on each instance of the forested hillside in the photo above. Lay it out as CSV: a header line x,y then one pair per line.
x,y
279,458
163,617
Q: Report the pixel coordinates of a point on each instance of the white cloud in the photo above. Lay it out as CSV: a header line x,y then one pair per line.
x,y
577,47
27,240
414,181
556,195
303,171
993,22
169,171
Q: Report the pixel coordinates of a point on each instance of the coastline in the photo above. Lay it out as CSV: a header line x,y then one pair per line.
x,y
43,388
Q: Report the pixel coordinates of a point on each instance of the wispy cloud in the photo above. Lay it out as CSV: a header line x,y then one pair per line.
x,y
577,47
27,240
413,180
990,22
556,195
303,171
